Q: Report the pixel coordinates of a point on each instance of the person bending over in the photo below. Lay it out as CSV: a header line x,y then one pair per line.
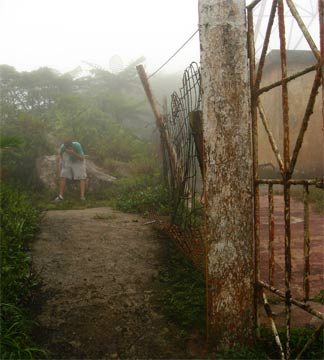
x,y
72,166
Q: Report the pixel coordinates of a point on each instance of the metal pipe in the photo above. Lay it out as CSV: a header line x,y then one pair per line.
x,y
304,30
272,140
300,304
289,78
285,116
271,235
273,324
308,112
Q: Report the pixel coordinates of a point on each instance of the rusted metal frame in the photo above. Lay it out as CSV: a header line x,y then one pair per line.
x,y
272,324
289,78
265,45
307,115
284,87
300,304
321,24
306,244
316,182
253,4
256,190
271,235
304,30
272,140
310,341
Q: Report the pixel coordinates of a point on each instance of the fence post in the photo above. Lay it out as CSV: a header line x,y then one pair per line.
x,y
160,122
228,177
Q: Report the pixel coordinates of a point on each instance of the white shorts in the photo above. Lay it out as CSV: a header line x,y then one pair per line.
x,y
73,170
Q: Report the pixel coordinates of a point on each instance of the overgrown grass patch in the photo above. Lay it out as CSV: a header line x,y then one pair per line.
x,y
140,194
316,197
19,224
183,298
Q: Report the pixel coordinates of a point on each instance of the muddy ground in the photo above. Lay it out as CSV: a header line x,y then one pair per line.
x,y
100,290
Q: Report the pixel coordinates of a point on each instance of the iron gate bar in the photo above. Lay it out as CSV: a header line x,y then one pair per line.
x,y
303,28
270,136
302,305
306,244
272,324
265,45
318,183
286,175
289,78
286,165
271,235
308,113
253,4
321,24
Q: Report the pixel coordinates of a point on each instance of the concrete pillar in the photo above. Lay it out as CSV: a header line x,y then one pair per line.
x,y
228,172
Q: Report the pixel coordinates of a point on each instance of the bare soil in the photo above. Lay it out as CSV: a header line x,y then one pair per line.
x,y
100,293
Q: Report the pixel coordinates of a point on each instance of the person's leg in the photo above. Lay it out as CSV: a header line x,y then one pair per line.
x,y
82,188
62,186
80,173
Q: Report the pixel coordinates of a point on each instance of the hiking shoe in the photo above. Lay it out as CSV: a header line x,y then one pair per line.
x,y
58,199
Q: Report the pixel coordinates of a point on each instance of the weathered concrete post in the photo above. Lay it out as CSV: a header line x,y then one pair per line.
x,y
228,172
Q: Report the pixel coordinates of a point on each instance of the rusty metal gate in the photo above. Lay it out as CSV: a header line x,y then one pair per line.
x,y
286,155
181,136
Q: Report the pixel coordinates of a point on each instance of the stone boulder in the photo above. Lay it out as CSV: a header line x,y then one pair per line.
x,y
47,172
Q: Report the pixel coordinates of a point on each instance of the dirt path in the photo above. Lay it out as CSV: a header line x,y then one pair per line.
x,y
99,268
100,291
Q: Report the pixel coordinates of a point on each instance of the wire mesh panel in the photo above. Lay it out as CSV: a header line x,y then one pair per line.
x,y
287,133
184,131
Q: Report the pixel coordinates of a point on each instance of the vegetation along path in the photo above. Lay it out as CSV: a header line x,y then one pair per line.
x,y
99,297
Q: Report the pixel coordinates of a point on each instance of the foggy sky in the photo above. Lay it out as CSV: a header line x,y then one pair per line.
x,y
63,34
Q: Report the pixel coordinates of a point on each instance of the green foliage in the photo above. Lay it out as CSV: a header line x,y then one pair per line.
x,y
44,108
267,348
183,292
320,297
18,225
27,137
299,338
243,352
15,342
140,194
316,197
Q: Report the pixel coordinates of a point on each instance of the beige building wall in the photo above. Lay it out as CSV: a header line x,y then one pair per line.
x,y
310,160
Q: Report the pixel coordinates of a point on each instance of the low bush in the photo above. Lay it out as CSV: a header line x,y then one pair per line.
x,y
183,298
19,221
140,194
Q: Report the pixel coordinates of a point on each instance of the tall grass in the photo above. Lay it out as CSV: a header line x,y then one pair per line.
x,y
18,225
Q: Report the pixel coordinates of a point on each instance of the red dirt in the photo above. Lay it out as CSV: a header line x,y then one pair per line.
x,y
316,278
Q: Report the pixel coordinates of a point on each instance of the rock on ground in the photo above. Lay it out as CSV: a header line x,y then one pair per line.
x,y
48,174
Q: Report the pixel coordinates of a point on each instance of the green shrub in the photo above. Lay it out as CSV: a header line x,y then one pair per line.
x,y
141,194
183,292
316,197
18,225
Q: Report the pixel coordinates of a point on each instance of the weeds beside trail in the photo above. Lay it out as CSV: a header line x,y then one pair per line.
x,y
19,224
